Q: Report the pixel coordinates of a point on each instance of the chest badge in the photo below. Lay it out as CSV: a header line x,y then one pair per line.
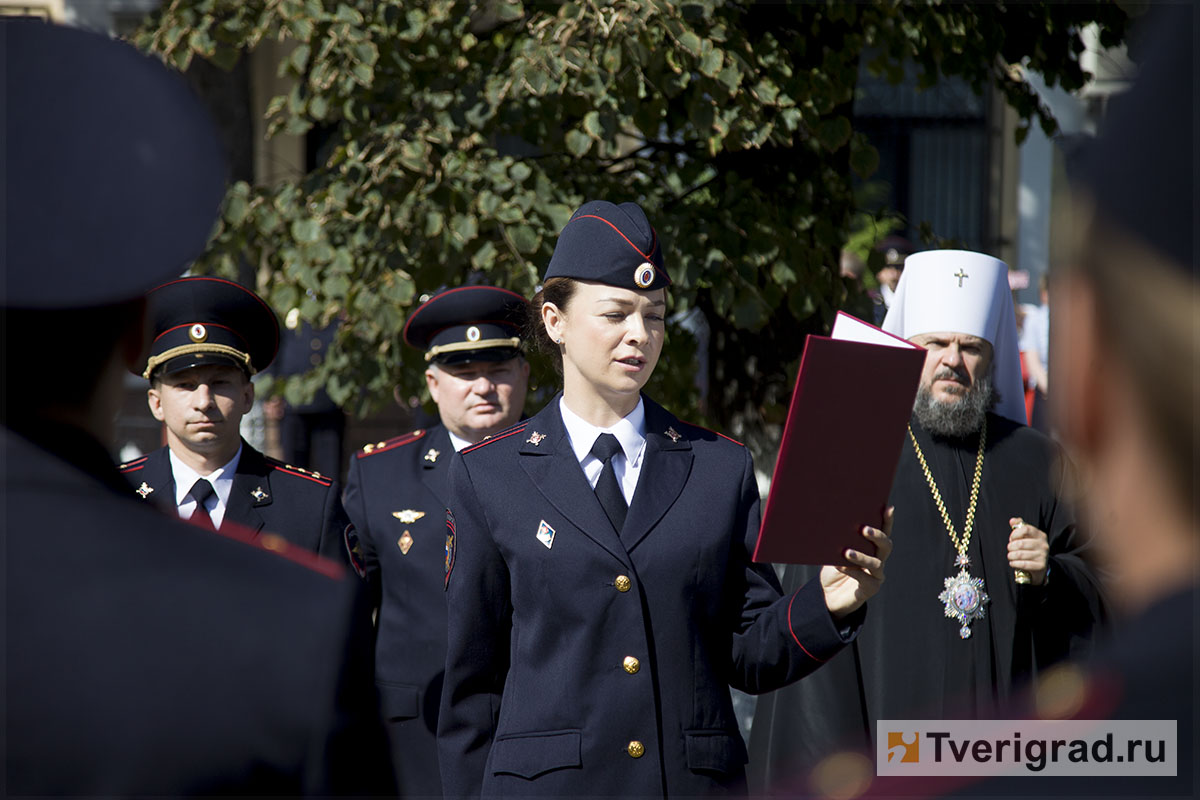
x,y
408,516
535,439
674,434
144,490
405,542
432,455
545,534
259,495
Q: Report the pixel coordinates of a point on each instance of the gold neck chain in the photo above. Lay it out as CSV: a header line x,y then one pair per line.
x,y
959,544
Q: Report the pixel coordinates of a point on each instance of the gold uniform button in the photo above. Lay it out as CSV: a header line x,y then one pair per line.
x,y
632,665
622,583
636,749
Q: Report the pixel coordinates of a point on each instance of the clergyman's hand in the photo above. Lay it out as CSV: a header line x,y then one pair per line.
x,y
848,587
1028,549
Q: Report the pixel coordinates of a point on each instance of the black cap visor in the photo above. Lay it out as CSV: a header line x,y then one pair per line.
x,y
190,360
483,354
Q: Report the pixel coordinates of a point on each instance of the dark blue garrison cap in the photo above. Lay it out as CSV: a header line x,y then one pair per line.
x,y
112,169
470,323
610,244
201,321
1141,171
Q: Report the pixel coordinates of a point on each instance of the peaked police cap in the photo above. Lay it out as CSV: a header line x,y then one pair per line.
x,y
469,323
610,244
113,169
1141,170
201,321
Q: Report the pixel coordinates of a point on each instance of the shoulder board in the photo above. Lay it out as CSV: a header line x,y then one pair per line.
x,y
133,466
504,434
288,469
388,444
282,548
710,430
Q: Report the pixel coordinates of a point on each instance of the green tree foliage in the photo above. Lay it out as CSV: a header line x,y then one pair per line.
x,y
465,133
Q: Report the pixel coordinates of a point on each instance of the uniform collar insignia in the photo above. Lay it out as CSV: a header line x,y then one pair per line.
x,y
408,516
259,495
432,455
545,534
144,490
535,438
674,434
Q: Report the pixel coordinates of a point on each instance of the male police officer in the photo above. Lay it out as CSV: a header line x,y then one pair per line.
x,y
146,657
396,496
210,336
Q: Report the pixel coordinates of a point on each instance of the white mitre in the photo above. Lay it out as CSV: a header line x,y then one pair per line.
x,y
957,291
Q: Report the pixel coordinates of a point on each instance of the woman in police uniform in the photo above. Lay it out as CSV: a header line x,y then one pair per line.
x,y
601,592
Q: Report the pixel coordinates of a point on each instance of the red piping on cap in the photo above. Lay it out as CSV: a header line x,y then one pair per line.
x,y
618,230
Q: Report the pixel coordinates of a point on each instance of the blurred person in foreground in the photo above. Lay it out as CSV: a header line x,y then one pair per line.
x,y
397,495
145,656
993,582
1126,352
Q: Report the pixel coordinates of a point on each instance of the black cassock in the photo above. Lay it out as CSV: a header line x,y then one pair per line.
x,y
909,661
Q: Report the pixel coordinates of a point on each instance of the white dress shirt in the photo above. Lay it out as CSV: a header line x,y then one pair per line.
x,y
221,480
630,431
457,442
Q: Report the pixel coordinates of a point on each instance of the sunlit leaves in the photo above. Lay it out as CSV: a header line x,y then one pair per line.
x,y
461,135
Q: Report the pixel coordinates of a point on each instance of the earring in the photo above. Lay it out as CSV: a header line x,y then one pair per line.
x,y
558,341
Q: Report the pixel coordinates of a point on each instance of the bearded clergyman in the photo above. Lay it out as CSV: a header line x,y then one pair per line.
x,y
992,581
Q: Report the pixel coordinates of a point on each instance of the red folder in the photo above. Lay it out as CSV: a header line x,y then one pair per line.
x,y
841,443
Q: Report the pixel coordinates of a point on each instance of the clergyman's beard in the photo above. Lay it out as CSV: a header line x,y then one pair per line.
x,y
959,418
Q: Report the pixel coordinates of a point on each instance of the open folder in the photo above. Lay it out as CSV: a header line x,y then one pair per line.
x,y
841,443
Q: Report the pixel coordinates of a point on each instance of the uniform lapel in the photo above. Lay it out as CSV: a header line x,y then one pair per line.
x,y
251,489
665,469
547,457
157,478
435,459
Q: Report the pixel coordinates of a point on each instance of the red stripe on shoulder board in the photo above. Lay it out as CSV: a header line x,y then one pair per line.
x,y
283,548
388,444
710,430
133,466
493,439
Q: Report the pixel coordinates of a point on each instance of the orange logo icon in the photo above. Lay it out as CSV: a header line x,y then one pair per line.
x,y
903,747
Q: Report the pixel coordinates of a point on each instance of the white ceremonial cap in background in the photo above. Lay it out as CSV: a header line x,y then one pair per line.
x,y
959,291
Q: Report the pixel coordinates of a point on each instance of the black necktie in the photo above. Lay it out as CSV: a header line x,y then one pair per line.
x,y
201,491
608,491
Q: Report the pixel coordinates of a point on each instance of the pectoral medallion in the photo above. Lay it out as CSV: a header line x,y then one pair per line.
x,y
964,599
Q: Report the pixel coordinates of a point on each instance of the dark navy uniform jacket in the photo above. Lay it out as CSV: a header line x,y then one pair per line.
x,y
581,661
150,657
396,497
268,496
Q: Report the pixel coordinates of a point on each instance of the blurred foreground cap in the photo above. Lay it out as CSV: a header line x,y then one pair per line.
x,y
470,323
112,169
201,321
1141,170
610,244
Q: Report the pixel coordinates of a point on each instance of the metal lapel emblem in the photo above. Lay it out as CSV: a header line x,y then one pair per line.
x,y
545,534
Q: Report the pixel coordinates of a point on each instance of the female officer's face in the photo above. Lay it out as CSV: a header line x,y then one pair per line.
x,y
611,340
